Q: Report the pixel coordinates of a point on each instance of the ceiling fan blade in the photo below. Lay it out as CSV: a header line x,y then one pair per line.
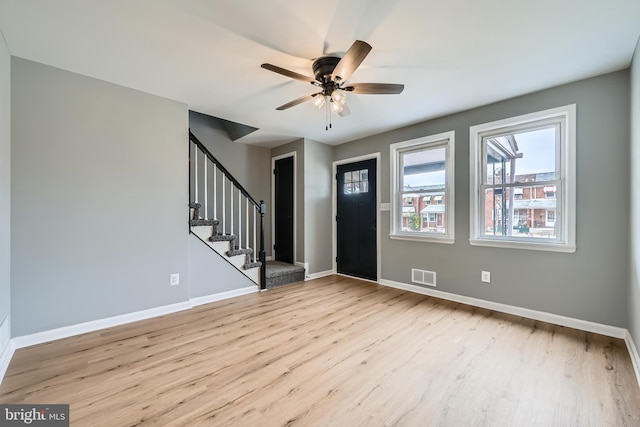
x,y
288,73
351,60
346,111
375,88
297,101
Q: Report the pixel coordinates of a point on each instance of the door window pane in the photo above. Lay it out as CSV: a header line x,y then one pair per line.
x,y
356,182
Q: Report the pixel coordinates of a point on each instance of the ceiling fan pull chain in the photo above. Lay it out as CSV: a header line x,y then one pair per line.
x,y
327,120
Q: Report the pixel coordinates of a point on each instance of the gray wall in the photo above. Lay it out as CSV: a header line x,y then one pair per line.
x,y
98,202
5,189
313,202
249,164
209,273
634,280
318,165
298,147
592,283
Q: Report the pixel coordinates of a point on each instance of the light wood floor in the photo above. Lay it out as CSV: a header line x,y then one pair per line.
x,y
334,351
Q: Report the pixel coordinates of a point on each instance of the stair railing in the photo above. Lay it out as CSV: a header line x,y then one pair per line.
x,y
223,198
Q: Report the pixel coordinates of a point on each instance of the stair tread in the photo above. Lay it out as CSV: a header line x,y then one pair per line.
x,y
206,222
278,268
249,265
222,238
234,252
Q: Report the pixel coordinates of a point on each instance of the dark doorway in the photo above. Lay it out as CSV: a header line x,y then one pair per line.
x,y
357,251
283,210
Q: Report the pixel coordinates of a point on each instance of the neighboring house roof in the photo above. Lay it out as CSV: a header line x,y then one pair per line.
x,y
549,204
434,209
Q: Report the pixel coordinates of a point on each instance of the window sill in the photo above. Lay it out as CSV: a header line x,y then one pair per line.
x,y
533,246
427,239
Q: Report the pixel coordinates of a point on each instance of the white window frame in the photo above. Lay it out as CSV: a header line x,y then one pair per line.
x,y
566,203
446,140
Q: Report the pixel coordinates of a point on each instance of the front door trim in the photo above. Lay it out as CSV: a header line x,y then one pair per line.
x,y
334,198
295,205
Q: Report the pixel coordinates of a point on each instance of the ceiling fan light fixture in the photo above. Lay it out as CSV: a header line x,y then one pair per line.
x,y
338,96
330,74
319,101
336,107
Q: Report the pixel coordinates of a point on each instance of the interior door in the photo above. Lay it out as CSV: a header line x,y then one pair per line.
x,y
283,210
356,227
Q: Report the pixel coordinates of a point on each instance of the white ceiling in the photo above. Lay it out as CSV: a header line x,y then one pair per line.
x,y
451,55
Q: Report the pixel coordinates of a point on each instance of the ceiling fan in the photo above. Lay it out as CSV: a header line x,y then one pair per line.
x,y
331,75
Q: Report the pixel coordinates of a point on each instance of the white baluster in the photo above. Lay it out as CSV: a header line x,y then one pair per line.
x,y
246,220
224,209
206,193
231,205
195,176
215,192
239,218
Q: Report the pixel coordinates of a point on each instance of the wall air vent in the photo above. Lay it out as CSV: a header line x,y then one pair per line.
x,y
423,277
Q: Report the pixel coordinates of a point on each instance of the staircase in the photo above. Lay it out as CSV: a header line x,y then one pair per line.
x,y
226,246
225,217
228,220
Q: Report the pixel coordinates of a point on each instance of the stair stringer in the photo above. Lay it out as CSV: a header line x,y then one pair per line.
x,y
204,232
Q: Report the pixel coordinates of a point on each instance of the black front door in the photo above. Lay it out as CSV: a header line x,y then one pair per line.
x,y
283,206
356,219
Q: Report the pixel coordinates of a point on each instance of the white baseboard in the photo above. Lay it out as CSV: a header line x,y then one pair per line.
x,y
6,346
81,328
584,325
95,325
5,332
223,295
319,275
633,352
5,358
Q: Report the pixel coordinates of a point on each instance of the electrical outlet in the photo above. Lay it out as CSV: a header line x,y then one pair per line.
x,y
485,276
174,279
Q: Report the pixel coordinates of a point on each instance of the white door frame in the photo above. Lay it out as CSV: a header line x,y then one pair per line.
x,y
334,195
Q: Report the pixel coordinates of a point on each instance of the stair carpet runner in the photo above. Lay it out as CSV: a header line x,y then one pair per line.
x,y
282,273
277,273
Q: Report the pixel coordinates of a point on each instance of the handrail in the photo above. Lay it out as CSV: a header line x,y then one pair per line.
x,y
261,208
224,170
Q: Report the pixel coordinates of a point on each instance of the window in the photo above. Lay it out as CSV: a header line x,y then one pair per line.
x,y
422,170
550,191
523,181
518,193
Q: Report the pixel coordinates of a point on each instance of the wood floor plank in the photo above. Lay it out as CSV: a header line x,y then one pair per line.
x,y
332,351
